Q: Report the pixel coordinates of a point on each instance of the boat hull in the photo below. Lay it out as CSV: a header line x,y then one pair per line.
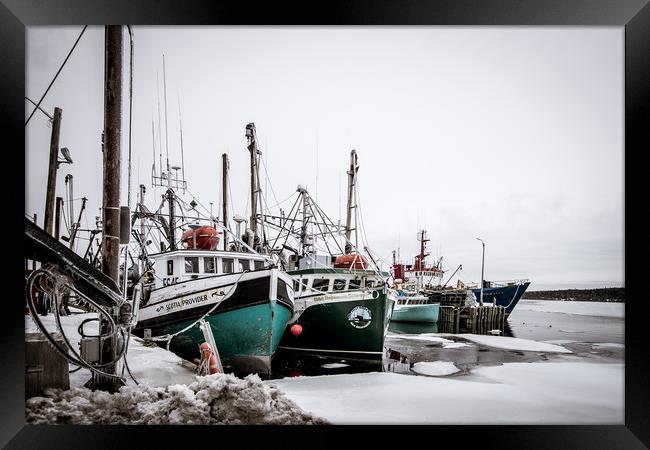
x,y
416,313
351,327
247,324
506,296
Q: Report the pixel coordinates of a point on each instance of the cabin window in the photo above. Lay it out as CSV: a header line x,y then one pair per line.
x,y
321,285
259,265
191,264
170,267
339,285
355,284
228,265
305,283
244,265
296,285
209,266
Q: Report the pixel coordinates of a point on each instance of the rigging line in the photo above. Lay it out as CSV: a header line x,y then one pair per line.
x,y
57,74
128,201
325,217
286,219
39,108
269,181
319,228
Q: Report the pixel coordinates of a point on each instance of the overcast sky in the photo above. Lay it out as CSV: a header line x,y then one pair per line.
x,y
510,134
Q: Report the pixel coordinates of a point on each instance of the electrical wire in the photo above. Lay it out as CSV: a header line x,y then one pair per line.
x,y
57,74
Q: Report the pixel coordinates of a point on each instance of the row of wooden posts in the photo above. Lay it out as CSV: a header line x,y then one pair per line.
x,y
477,319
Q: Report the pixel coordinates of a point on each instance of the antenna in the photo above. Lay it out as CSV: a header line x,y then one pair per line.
x,y
166,131
180,120
159,123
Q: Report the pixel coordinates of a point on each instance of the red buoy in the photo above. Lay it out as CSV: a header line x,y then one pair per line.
x,y
201,238
208,354
351,261
296,329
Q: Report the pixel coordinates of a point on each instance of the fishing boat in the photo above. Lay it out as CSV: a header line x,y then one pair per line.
x,y
414,307
418,276
246,301
234,297
502,293
342,300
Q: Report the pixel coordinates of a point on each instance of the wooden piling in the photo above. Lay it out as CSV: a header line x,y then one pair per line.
x,y
51,174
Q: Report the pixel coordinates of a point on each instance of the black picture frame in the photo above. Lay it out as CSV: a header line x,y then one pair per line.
x,y
634,15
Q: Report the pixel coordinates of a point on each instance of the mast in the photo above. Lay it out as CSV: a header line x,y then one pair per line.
x,y
419,259
304,235
171,198
352,175
254,151
224,189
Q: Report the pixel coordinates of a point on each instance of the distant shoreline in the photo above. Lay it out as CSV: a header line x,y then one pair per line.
x,y
579,295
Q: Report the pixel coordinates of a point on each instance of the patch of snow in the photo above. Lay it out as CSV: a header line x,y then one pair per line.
x,y
455,345
513,393
429,337
435,368
560,341
608,345
213,399
495,332
334,365
602,309
511,343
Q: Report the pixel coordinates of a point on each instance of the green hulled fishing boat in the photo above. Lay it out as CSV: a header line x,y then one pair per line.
x,y
340,312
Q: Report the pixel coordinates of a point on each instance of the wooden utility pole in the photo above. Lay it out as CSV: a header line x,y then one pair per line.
x,y
51,174
224,189
57,218
352,173
112,134
111,193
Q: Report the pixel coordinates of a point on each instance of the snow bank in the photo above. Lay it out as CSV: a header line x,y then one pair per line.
x,y
511,343
603,309
435,368
513,393
213,399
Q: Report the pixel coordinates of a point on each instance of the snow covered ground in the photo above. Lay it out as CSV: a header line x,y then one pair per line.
x,y
152,366
169,392
513,393
602,309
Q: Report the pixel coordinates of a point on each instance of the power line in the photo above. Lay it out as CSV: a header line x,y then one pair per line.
x,y
57,74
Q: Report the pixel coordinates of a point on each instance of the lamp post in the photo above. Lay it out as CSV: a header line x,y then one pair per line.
x,y
482,267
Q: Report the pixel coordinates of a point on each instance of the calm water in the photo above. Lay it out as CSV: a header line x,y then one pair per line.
x,y
404,346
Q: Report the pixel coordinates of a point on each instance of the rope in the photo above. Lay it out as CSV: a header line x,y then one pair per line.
x,y
55,76
169,337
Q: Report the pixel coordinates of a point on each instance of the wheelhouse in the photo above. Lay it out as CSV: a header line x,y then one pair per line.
x,y
182,265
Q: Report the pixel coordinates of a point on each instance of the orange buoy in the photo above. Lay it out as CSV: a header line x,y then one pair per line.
x,y
207,353
201,238
351,261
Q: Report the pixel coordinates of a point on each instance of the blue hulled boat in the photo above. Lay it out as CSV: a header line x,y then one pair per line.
x,y
504,293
